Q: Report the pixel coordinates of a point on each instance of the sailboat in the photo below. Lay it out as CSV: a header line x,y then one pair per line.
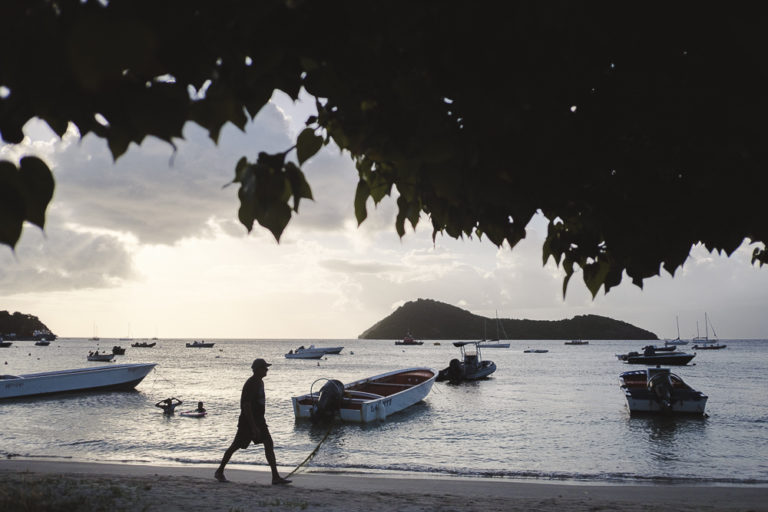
x,y
94,337
494,343
705,343
676,341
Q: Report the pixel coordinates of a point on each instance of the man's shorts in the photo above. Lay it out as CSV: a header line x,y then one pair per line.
x,y
244,436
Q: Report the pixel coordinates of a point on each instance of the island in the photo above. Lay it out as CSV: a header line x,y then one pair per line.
x,y
433,320
23,327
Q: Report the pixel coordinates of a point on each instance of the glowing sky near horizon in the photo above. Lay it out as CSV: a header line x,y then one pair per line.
x,y
151,246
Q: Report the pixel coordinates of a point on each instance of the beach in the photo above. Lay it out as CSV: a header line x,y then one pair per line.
x,y
57,485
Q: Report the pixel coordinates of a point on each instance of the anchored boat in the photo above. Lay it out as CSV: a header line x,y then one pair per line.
x,y
101,378
657,390
366,400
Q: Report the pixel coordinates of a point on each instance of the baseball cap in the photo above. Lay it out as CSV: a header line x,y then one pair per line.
x,y
260,363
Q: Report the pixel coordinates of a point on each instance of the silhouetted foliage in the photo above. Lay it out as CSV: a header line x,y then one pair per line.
x,y
432,320
637,131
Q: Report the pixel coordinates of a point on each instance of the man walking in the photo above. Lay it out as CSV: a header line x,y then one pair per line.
x,y
252,426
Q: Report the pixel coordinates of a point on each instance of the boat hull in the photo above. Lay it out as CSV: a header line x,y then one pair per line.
x,y
375,398
305,355
103,378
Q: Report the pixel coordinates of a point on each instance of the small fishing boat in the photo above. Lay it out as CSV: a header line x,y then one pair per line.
x,y
657,390
470,367
535,351
100,356
42,343
101,378
408,340
143,344
118,350
366,400
650,357
576,342
200,344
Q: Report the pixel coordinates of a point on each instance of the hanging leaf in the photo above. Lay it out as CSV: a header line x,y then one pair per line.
x,y
307,144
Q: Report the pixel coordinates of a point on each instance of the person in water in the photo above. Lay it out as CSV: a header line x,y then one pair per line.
x,y
251,426
168,405
200,407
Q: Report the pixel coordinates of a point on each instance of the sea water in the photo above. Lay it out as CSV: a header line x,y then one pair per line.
x,y
555,416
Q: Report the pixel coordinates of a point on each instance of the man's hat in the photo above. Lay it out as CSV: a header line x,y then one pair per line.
x,y
260,363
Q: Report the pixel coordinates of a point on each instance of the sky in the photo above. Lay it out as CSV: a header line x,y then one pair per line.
x,y
150,246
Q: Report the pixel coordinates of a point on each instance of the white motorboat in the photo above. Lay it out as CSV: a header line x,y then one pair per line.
x,y
100,378
374,398
657,390
470,367
306,354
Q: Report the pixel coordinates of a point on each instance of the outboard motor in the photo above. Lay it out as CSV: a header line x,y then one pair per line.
x,y
661,386
328,402
455,371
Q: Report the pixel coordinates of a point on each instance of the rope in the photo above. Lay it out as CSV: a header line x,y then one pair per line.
x,y
314,452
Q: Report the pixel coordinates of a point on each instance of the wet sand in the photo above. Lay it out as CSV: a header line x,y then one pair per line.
x,y
56,485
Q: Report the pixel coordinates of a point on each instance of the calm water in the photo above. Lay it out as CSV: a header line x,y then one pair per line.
x,y
558,415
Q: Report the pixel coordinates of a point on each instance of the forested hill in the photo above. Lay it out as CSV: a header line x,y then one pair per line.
x,y
21,326
433,320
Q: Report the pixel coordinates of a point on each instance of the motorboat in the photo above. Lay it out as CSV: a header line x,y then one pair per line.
x,y
366,400
5,344
305,353
651,357
657,348
408,340
143,344
535,351
104,357
100,378
576,342
328,350
42,343
118,350
200,344
471,366
657,390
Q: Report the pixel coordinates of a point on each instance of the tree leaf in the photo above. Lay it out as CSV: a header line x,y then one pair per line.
x,y
38,185
12,208
307,144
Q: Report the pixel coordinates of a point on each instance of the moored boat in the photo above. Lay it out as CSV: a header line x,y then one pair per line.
x,y
118,350
200,344
535,351
657,390
305,354
143,344
42,343
5,344
408,340
471,366
101,378
370,399
100,356
650,357
576,342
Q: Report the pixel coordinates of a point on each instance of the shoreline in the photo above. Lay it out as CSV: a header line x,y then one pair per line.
x,y
88,486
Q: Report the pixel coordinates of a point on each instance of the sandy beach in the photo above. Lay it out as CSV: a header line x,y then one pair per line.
x,y
48,485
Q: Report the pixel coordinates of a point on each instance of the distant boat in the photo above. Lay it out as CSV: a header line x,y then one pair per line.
x,y
143,344
656,390
408,340
309,353
5,344
42,343
102,357
95,337
535,351
118,350
576,342
471,366
676,341
200,344
369,399
652,358
495,343
705,343
100,378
